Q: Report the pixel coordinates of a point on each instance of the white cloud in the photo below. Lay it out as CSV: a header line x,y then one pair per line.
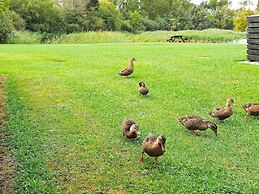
x,y
235,3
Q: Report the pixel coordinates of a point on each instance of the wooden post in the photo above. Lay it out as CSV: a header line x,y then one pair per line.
x,y
253,38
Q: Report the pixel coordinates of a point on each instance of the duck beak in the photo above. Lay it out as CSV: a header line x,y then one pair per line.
x,y
138,133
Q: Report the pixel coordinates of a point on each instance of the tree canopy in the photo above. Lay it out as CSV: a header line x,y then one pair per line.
x,y
68,16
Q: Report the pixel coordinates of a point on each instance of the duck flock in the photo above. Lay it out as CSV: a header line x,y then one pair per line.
x,y
155,146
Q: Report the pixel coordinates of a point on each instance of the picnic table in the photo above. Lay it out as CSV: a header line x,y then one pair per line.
x,y
173,38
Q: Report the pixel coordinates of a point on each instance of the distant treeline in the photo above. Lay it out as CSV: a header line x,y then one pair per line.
x,y
69,16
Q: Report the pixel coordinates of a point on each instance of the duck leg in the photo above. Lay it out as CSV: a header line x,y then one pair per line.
x,y
193,133
142,157
246,116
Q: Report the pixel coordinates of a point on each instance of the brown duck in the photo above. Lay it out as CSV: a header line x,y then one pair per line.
x,y
143,89
223,113
251,109
130,129
194,122
128,71
153,146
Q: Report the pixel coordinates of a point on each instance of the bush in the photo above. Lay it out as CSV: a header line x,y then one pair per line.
x,y
24,37
240,21
5,27
126,26
150,25
136,20
39,16
17,22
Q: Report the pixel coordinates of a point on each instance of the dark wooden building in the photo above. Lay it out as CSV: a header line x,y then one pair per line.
x,y
253,38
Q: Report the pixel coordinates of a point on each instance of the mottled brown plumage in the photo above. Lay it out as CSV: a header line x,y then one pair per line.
x,y
128,71
130,129
143,89
195,122
223,113
251,108
153,146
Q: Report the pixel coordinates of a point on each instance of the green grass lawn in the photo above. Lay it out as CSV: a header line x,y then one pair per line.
x,y
66,104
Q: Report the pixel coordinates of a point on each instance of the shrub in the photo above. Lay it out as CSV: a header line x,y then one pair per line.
x,y
5,27
17,22
24,37
240,21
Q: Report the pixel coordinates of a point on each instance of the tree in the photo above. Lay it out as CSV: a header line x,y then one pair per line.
x,y
245,3
200,18
110,15
41,16
5,21
240,21
4,5
213,4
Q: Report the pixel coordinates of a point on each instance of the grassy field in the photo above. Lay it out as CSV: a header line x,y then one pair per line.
x,y
66,104
202,36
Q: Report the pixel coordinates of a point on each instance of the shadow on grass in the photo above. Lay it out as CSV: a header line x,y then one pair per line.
x,y
136,141
202,134
147,97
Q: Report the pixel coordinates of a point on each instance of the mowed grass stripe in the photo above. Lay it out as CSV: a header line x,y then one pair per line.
x,y
83,102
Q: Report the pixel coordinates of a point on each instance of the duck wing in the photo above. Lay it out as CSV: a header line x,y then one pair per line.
x,y
143,90
126,72
191,122
216,111
221,113
254,109
150,139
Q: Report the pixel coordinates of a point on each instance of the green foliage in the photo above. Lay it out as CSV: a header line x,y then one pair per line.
x,y
6,26
25,37
136,21
40,16
110,15
66,104
76,21
240,21
71,16
17,22
210,35
4,6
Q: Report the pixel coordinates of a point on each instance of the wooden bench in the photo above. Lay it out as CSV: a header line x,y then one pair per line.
x,y
173,38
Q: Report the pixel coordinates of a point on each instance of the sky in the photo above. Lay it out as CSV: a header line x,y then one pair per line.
x,y
235,3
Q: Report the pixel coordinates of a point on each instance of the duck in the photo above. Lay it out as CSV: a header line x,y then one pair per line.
x,y
153,146
130,129
251,108
143,90
128,71
223,113
194,122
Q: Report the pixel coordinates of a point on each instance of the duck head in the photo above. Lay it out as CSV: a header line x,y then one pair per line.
x,y
213,127
133,60
230,102
161,141
142,84
182,120
135,129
